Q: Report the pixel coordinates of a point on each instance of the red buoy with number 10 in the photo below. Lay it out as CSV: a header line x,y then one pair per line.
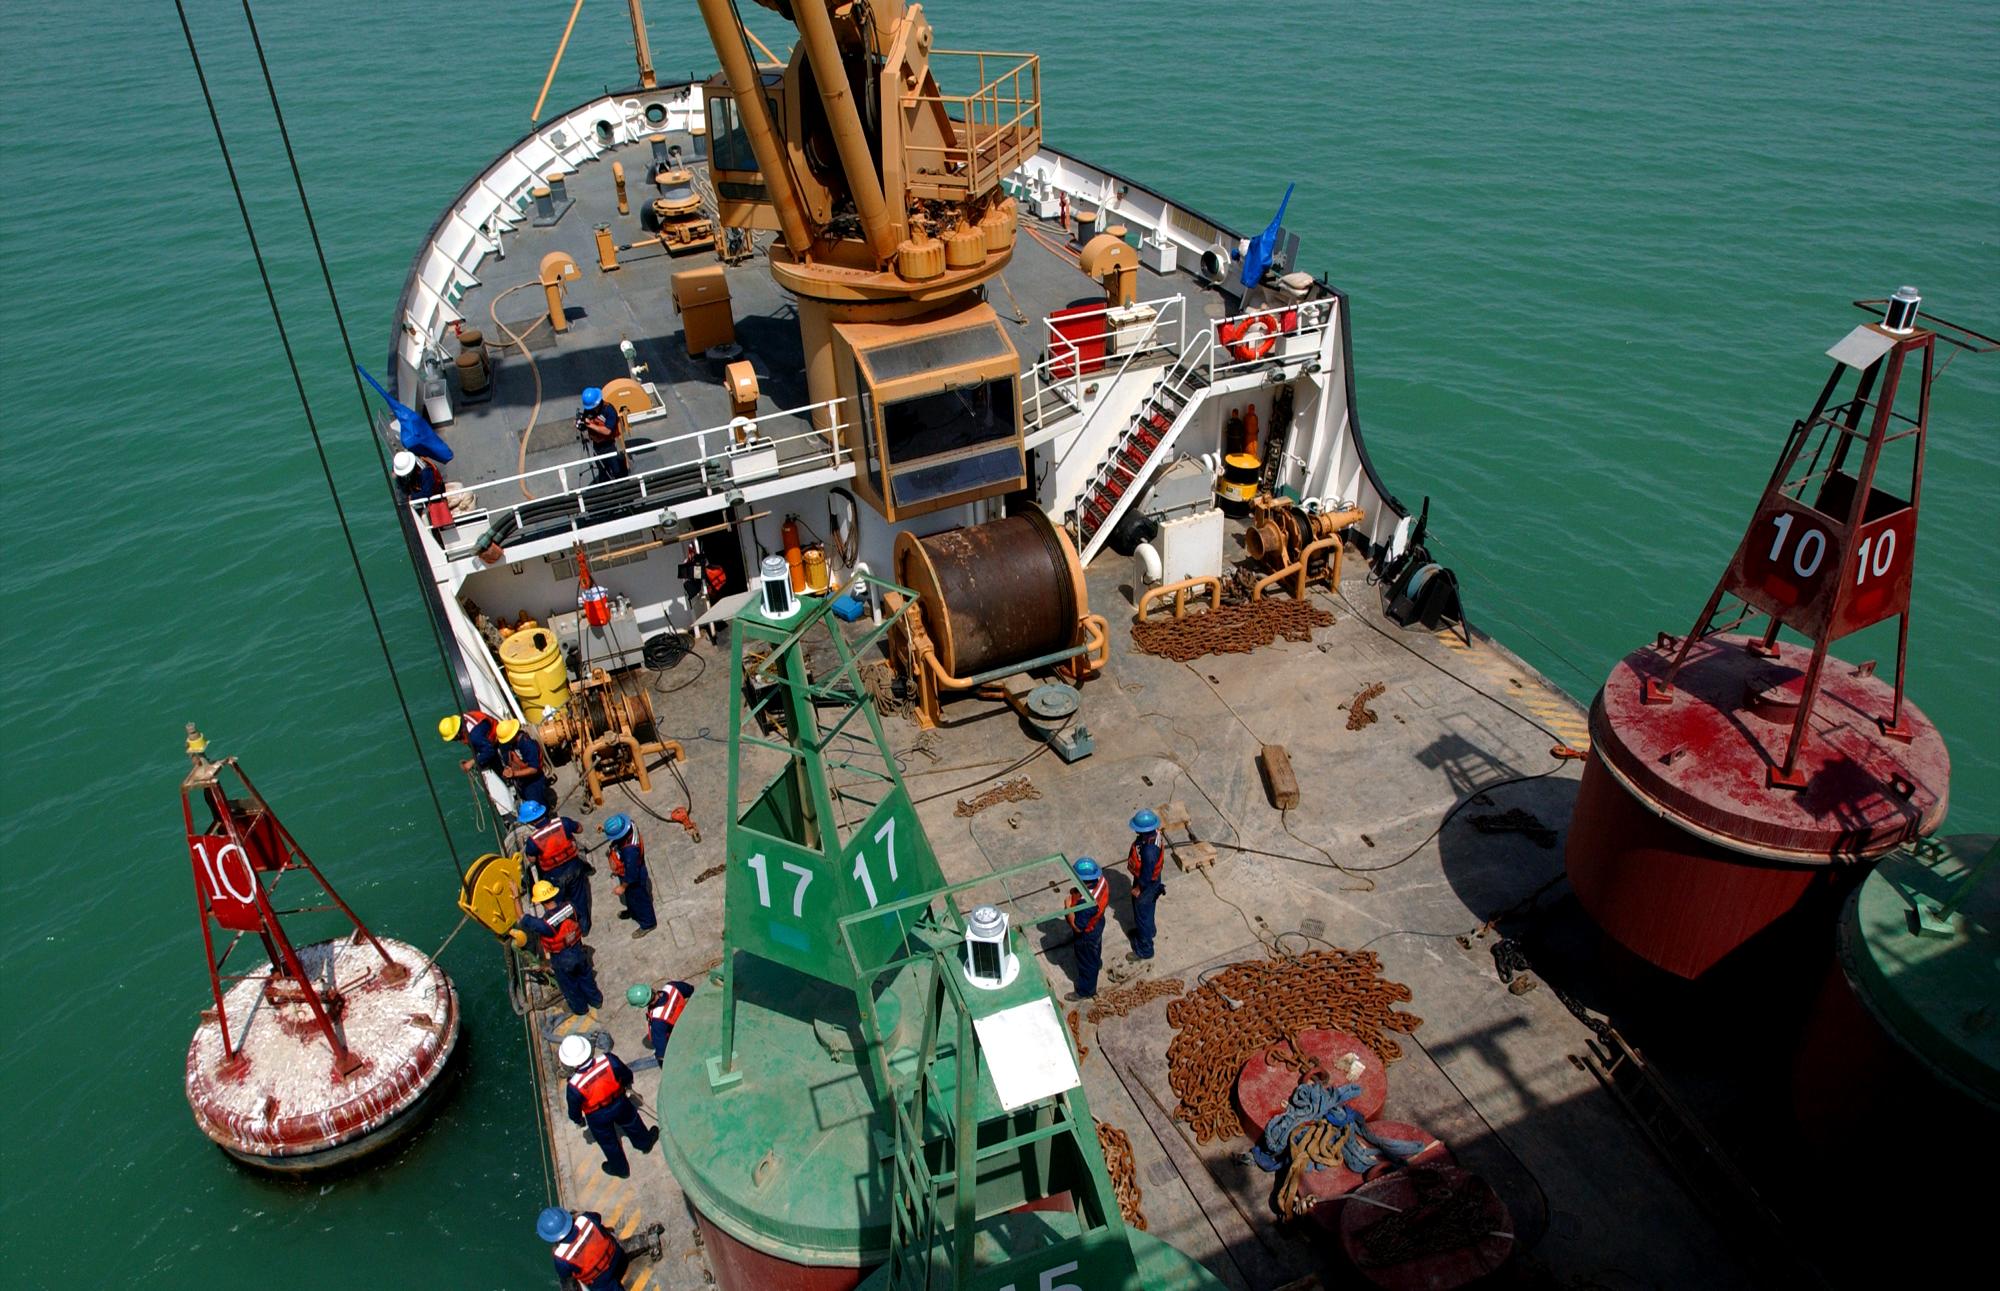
x,y
1732,775
325,1052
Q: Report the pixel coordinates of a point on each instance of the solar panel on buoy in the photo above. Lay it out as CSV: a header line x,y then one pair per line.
x,y
1731,774
326,1051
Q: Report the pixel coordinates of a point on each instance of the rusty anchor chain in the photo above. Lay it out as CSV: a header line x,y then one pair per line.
x,y
1231,629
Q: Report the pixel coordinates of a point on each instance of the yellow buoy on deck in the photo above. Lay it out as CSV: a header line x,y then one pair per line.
x,y
535,672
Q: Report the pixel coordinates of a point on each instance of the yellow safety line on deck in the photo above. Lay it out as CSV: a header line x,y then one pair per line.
x,y
592,1185
630,1227
640,1285
617,1215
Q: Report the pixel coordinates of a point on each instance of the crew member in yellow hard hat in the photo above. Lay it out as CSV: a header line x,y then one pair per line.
x,y
476,730
520,756
551,845
556,931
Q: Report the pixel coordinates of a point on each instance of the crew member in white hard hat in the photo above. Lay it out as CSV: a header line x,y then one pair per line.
x,y
418,479
600,1099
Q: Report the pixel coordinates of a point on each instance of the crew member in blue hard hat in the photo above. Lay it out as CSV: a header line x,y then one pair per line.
x,y
521,763
599,1096
1087,905
1147,862
557,933
663,1009
629,878
476,730
551,845
602,427
590,1253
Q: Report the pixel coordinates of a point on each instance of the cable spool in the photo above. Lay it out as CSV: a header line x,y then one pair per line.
x,y
995,593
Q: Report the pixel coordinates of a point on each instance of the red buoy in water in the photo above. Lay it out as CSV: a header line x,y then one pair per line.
x,y
326,1051
1731,776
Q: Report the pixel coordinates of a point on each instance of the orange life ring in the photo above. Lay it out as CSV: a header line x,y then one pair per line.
x,y
1252,339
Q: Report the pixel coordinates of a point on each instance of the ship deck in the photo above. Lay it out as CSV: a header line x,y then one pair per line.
x,y
1489,1071
635,303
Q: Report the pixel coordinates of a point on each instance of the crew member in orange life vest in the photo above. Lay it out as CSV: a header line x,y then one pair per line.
x,y
628,866
663,1009
599,1099
588,1251
552,847
1148,863
558,934
1087,905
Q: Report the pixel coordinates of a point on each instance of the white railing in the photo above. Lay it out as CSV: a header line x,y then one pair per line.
x,y
714,453
1309,320
1052,392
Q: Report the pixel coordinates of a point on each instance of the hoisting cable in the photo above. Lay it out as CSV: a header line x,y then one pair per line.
x,y
305,405
346,342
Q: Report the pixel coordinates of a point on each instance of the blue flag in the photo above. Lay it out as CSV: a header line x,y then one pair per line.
x,y
1258,257
413,430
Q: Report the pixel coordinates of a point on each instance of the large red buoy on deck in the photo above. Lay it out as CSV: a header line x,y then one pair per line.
x,y
1731,776
325,1052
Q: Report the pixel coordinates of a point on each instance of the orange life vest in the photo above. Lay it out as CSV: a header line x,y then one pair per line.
x,y
618,851
568,931
667,1006
1134,861
588,1249
553,845
1100,895
596,1084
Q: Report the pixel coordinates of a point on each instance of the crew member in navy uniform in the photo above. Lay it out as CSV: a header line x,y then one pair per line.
x,y
1087,906
663,1009
1148,864
629,877
521,764
602,428
600,1099
551,845
558,934
476,730
586,1252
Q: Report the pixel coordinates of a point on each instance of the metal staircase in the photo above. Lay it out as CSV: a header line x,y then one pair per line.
x,y
1148,439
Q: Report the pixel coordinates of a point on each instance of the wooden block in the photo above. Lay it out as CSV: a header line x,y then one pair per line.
x,y
1193,856
1279,782
1173,815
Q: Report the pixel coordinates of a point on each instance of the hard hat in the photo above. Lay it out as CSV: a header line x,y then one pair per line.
x,y
448,727
618,826
404,463
638,996
1146,821
506,731
575,1050
544,891
530,811
553,1224
1087,869
592,396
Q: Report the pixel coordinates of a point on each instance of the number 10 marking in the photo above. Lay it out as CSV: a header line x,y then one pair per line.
x,y
1885,555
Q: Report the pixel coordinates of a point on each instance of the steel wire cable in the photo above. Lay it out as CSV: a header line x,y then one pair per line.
x,y
312,425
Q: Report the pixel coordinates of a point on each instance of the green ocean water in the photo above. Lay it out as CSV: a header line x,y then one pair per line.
x,y
1595,253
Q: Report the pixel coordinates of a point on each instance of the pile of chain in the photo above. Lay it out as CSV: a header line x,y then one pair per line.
x,y
1076,1036
1119,1001
709,873
1124,1174
1358,712
1233,629
1248,1007
1019,789
1450,1214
